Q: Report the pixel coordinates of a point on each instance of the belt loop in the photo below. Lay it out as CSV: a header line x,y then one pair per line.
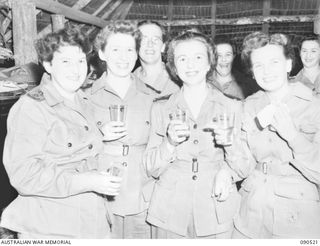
x,y
195,165
125,150
264,167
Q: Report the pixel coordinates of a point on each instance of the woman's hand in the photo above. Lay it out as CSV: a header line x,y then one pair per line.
x,y
223,185
283,124
221,136
104,183
177,132
114,130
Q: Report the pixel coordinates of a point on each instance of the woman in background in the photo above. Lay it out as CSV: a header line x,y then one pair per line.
x,y
309,75
52,150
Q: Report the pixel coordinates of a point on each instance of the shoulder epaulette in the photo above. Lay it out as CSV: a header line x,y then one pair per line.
x,y
36,94
163,98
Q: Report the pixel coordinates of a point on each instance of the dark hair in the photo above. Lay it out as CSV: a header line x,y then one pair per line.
x,y
68,36
185,36
311,37
258,40
226,41
152,22
124,27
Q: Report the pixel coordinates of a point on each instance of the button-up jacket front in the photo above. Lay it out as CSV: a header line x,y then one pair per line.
x,y
131,199
280,196
49,142
186,177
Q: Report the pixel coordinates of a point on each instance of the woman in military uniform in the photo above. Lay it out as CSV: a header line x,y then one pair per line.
x,y
125,142
51,151
182,156
280,197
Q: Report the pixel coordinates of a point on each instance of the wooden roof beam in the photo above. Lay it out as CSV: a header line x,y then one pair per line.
x,y
123,10
69,13
108,13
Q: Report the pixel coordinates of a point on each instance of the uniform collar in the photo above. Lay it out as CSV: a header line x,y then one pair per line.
x,y
51,94
136,85
177,99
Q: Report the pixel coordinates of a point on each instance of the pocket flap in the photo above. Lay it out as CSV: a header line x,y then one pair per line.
x,y
298,190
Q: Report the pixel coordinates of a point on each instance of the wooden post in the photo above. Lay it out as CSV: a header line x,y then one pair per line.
x,y
213,17
24,29
316,22
170,16
57,22
266,12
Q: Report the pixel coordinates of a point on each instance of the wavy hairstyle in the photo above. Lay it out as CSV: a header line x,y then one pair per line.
x,y
124,27
68,36
187,36
258,40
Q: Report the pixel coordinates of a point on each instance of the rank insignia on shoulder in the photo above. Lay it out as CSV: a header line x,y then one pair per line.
x,y
36,94
163,98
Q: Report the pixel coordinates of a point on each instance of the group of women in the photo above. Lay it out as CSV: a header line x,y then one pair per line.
x,y
179,162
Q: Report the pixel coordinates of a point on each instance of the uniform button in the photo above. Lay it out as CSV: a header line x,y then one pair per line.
x,y
69,145
195,126
86,128
194,177
90,146
148,122
99,123
124,164
196,141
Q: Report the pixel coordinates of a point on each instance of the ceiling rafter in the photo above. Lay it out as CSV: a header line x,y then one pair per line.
x,y
107,14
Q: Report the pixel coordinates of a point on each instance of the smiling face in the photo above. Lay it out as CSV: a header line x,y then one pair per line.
x,y
225,57
120,54
191,61
68,68
151,43
270,67
310,53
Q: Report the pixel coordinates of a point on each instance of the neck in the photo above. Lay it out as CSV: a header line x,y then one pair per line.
x,y
195,96
70,96
119,84
151,71
223,79
279,94
311,72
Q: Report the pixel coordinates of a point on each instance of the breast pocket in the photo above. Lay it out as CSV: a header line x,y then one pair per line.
x,y
296,207
308,130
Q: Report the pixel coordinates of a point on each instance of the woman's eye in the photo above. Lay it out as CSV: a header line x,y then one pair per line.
x,y
65,61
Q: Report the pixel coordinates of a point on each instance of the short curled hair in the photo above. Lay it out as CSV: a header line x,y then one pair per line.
x,y
68,36
124,27
152,22
258,40
226,41
187,36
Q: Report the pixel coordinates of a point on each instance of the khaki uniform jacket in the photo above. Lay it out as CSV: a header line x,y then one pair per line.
x,y
164,85
185,178
300,77
129,149
279,195
49,142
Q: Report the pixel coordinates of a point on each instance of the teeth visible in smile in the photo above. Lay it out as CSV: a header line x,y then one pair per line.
x,y
149,52
191,73
122,65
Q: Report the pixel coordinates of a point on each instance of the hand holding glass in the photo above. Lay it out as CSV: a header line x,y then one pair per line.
x,y
178,129
117,113
224,129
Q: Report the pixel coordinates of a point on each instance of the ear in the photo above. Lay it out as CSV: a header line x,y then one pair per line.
x,y
47,66
289,65
101,55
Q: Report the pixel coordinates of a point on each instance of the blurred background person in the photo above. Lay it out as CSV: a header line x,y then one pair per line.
x,y
152,70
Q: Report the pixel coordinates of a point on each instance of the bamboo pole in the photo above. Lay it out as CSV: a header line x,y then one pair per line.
x,y
57,22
